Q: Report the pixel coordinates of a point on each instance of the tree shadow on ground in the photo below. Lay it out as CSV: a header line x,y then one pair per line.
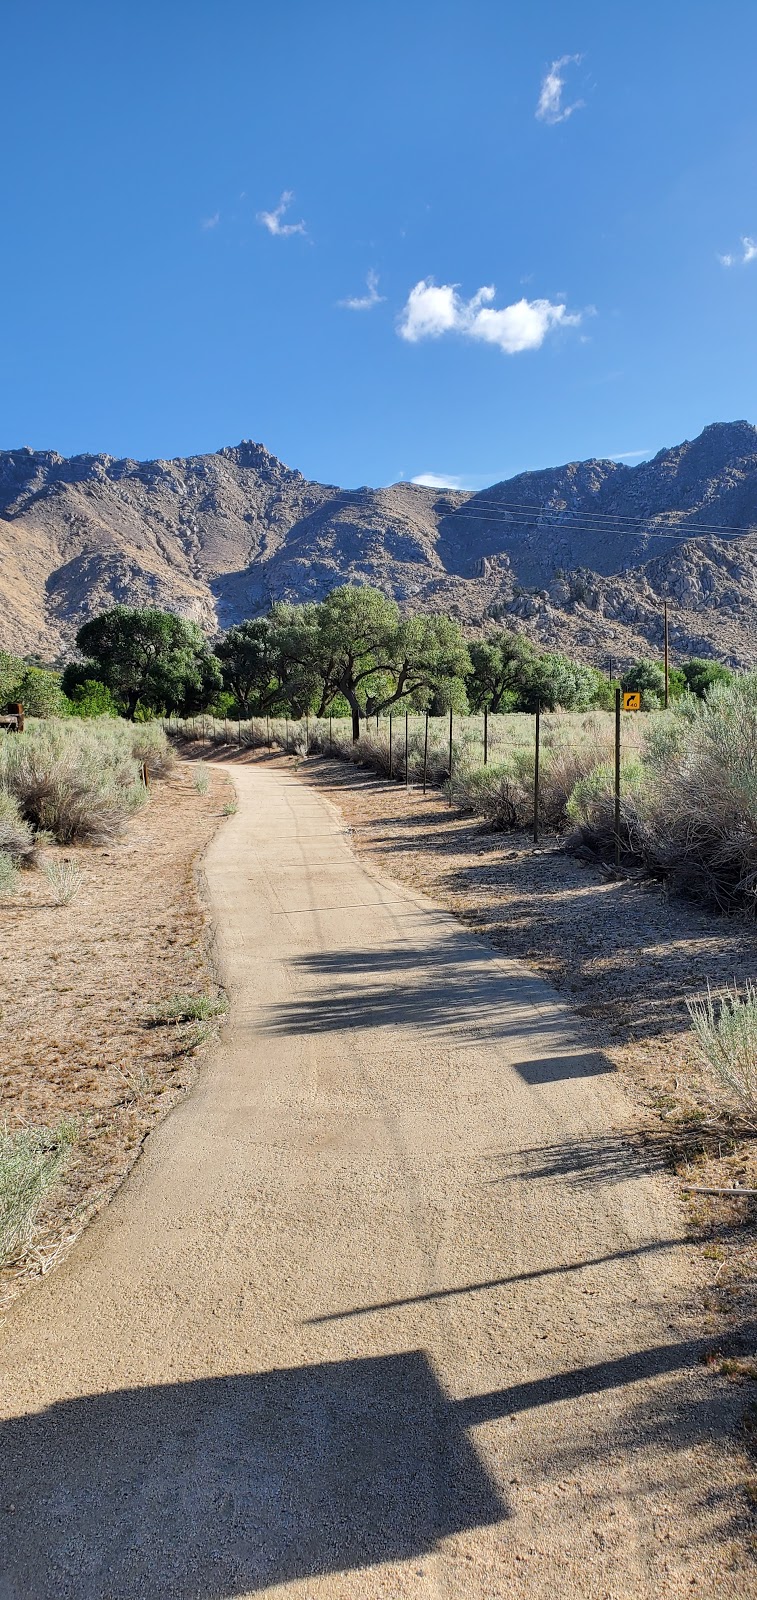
x,y
456,988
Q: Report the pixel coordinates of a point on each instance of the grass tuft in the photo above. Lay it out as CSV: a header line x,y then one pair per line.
x,y
31,1159
188,1008
65,879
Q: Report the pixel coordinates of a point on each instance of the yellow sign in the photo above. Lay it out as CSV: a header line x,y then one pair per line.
x,y
632,701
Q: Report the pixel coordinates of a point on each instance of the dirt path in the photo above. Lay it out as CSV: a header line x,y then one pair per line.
x,y
387,1308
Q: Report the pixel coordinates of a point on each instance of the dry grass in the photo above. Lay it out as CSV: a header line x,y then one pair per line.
x,y
75,1012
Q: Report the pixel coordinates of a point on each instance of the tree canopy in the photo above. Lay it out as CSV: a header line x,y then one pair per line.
x,y
146,656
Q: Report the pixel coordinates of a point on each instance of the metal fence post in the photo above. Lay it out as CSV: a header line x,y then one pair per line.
x,y
537,745
406,772
425,754
307,733
486,735
667,659
449,797
331,736
391,774
617,776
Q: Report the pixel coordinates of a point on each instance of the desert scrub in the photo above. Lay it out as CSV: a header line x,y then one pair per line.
x,y
17,841
726,1034
8,876
690,814
201,781
31,1159
150,746
79,780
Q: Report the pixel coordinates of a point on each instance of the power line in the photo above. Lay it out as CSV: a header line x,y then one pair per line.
x,y
514,514
630,533
603,517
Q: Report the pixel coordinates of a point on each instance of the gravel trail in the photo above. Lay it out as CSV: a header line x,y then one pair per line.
x,y
388,1307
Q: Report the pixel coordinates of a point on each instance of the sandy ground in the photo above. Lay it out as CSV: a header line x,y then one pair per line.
x,y
378,1313
78,985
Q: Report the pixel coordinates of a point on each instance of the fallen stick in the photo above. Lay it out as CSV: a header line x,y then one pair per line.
x,y
700,1188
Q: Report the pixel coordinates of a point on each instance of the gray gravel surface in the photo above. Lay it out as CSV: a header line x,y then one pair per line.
x,y
388,1307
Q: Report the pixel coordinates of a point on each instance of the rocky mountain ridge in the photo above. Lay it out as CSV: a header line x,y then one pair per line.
x,y
579,556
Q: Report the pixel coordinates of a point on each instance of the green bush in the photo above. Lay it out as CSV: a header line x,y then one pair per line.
x,y
90,698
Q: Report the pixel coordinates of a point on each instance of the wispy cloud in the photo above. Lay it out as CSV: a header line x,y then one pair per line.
x,y
433,310
272,220
627,455
747,253
212,222
550,107
365,302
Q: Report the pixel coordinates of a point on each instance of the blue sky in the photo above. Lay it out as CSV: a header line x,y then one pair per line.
x,y
545,286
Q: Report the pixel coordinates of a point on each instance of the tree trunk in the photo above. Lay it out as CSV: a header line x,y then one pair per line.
x,y
355,709
132,704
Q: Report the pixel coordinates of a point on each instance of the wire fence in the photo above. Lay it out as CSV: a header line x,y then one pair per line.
x,y
527,763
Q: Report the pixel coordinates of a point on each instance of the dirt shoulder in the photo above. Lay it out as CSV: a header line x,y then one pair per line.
x,y
77,987
625,954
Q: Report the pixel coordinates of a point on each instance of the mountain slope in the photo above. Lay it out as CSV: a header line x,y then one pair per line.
x,y
580,556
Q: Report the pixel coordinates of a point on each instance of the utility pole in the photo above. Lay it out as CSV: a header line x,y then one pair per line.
x,y
667,657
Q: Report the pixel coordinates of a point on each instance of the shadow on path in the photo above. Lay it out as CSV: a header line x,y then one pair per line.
x,y
228,1485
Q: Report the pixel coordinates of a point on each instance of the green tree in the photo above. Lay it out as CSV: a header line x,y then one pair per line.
x,y
249,657
11,672
647,678
40,693
699,675
553,680
500,668
147,656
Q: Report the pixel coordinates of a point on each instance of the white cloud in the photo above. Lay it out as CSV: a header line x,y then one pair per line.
x,y
432,310
366,301
439,480
272,220
550,106
748,253
212,222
